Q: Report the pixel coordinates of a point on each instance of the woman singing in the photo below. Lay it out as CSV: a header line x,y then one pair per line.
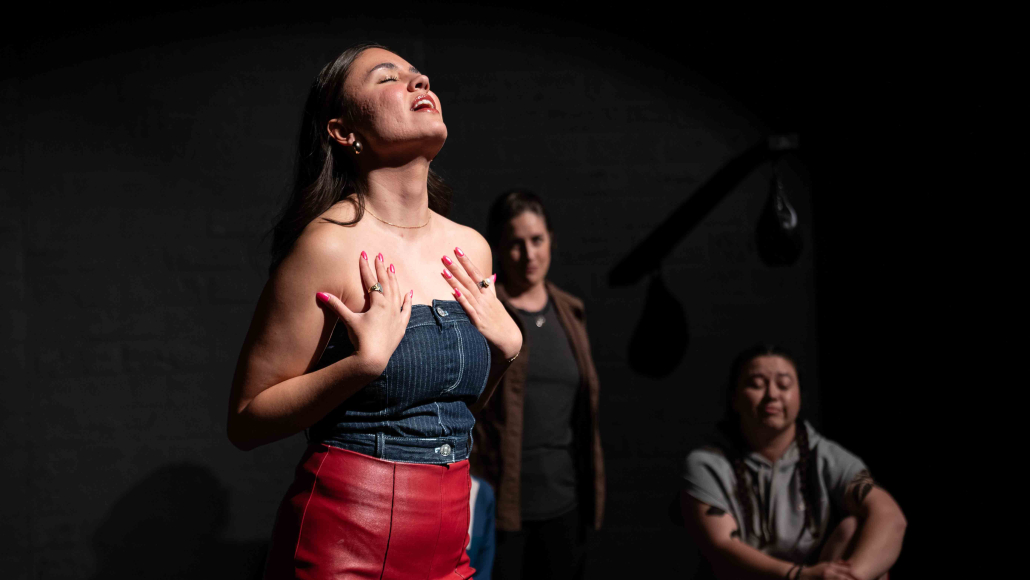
x,y
537,441
360,338
774,499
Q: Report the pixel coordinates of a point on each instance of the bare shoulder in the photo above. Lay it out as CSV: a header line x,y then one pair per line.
x,y
471,242
323,249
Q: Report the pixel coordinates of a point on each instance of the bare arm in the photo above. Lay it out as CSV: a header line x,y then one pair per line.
x,y
881,527
273,396
718,535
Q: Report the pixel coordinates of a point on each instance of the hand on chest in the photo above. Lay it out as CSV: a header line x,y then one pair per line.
x,y
416,267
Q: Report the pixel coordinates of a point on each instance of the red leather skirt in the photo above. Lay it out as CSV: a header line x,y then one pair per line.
x,y
348,515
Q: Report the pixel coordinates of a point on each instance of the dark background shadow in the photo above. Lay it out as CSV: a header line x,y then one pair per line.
x,y
142,156
648,255
170,525
662,335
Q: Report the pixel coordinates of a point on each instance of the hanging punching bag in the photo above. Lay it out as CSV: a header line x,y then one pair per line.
x,y
778,235
660,340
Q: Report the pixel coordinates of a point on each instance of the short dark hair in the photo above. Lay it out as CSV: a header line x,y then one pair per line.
x,y
510,205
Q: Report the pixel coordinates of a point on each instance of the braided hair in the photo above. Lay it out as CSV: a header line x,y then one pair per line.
x,y
730,426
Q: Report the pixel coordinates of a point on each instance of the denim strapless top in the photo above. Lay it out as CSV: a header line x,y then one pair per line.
x,y
417,410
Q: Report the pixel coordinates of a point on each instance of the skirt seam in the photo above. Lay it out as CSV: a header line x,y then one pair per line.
x,y
389,534
468,527
303,515
439,531
468,521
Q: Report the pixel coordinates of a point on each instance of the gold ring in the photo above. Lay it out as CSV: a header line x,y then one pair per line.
x,y
377,287
484,283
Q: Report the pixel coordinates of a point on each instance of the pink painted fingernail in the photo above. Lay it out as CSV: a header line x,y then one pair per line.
x,y
411,293
459,252
457,293
493,278
364,256
392,269
447,260
447,275
322,296
380,257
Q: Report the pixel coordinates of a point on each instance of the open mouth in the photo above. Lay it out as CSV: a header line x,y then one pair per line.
x,y
423,103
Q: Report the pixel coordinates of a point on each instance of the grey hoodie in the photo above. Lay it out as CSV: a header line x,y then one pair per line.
x,y
780,509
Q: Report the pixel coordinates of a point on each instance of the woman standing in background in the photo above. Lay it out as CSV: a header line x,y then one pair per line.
x,y
537,440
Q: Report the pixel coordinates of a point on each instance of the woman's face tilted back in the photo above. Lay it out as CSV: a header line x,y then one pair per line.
x,y
395,112
526,250
767,397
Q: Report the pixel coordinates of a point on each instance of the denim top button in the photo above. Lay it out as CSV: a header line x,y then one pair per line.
x,y
441,312
445,449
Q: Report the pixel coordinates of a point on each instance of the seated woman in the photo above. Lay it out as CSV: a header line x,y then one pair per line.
x,y
774,499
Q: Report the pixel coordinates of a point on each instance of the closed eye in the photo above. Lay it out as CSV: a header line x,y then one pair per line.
x,y
756,382
387,79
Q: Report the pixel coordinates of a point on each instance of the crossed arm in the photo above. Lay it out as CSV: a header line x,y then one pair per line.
x,y
881,527
872,549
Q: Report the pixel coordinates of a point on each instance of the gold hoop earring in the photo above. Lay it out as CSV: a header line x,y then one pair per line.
x,y
356,147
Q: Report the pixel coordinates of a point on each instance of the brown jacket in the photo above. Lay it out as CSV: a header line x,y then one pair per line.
x,y
497,450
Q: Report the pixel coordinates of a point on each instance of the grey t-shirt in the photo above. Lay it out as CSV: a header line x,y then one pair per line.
x,y
708,476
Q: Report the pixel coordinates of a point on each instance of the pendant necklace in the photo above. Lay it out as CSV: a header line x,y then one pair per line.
x,y
540,320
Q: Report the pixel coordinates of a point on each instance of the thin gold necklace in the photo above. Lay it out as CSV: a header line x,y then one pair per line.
x,y
397,226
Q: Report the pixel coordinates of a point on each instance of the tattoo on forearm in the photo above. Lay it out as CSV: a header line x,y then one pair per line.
x,y
861,486
735,534
714,511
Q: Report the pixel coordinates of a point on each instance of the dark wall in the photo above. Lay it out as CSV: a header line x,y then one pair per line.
x,y
143,159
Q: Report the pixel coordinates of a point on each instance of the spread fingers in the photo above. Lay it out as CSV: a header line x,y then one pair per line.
x,y
394,290
474,275
459,277
368,276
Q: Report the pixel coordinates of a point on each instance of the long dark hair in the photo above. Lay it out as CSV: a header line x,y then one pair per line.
x,y
730,426
324,173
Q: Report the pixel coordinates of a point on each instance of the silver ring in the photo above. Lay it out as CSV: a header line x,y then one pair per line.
x,y
377,287
484,283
